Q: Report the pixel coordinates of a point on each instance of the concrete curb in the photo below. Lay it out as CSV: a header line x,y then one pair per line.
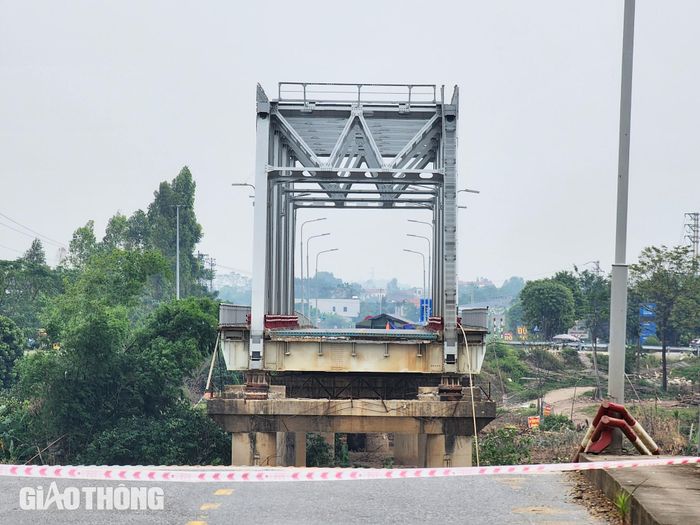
x,y
659,495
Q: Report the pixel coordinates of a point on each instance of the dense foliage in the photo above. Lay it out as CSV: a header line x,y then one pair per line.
x,y
665,280
109,388
10,349
549,306
504,446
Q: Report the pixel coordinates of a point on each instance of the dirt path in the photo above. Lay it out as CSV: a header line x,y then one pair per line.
x,y
556,397
561,398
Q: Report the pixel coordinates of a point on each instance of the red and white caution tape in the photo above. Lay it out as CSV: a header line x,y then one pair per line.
x,y
228,475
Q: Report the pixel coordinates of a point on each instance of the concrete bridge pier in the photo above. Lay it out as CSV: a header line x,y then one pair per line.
x,y
268,449
433,450
254,448
428,433
291,449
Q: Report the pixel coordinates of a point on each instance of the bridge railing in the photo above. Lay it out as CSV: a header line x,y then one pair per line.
x,y
305,92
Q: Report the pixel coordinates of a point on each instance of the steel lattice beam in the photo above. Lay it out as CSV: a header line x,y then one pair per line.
x,y
319,154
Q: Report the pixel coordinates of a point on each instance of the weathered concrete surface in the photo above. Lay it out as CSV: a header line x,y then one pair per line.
x,y
432,450
660,495
291,449
254,448
409,449
350,416
446,450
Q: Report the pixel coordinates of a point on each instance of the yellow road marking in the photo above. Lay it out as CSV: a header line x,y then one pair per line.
x,y
210,506
196,523
223,492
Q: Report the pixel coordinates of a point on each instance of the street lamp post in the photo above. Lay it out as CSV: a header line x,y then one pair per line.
x,y
243,184
316,274
301,256
425,291
618,282
308,271
423,257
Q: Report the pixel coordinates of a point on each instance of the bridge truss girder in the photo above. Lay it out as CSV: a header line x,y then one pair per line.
x,y
351,155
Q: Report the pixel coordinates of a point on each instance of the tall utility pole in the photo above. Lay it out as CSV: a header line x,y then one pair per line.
x,y
212,263
692,231
202,258
618,295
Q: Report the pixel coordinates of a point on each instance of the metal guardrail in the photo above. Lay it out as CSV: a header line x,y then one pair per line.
x,y
601,346
305,92
354,333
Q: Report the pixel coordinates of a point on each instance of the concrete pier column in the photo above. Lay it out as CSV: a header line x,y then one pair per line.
x,y
448,451
254,448
291,449
435,450
459,450
409,449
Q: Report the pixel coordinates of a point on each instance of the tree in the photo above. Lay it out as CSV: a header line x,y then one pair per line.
x,y
324,285
392,287
10,349
113,279
571,281
35,255
137,230
634,328
117,232
82,246
114,373
512,286
548,305
195,318
514,315
665,279
162,226
595,310
26,284
180,436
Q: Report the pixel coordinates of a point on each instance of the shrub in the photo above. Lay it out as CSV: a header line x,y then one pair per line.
x,y
556,422
688,369
602,362
318,452
571,357
180,436
652,340
504,357
504,446
544,359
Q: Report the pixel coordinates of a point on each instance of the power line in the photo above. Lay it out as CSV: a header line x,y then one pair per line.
x,y
49,239
237,270
17,230
11,249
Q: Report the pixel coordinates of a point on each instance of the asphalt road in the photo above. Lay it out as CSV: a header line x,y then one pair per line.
x,y
488,500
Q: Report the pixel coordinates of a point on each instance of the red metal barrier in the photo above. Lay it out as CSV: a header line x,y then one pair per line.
x,y
610,416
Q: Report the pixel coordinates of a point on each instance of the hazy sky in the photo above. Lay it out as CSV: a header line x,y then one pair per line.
x,y
100,101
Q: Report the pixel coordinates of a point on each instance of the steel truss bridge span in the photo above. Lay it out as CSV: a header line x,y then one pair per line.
x,y
352,146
